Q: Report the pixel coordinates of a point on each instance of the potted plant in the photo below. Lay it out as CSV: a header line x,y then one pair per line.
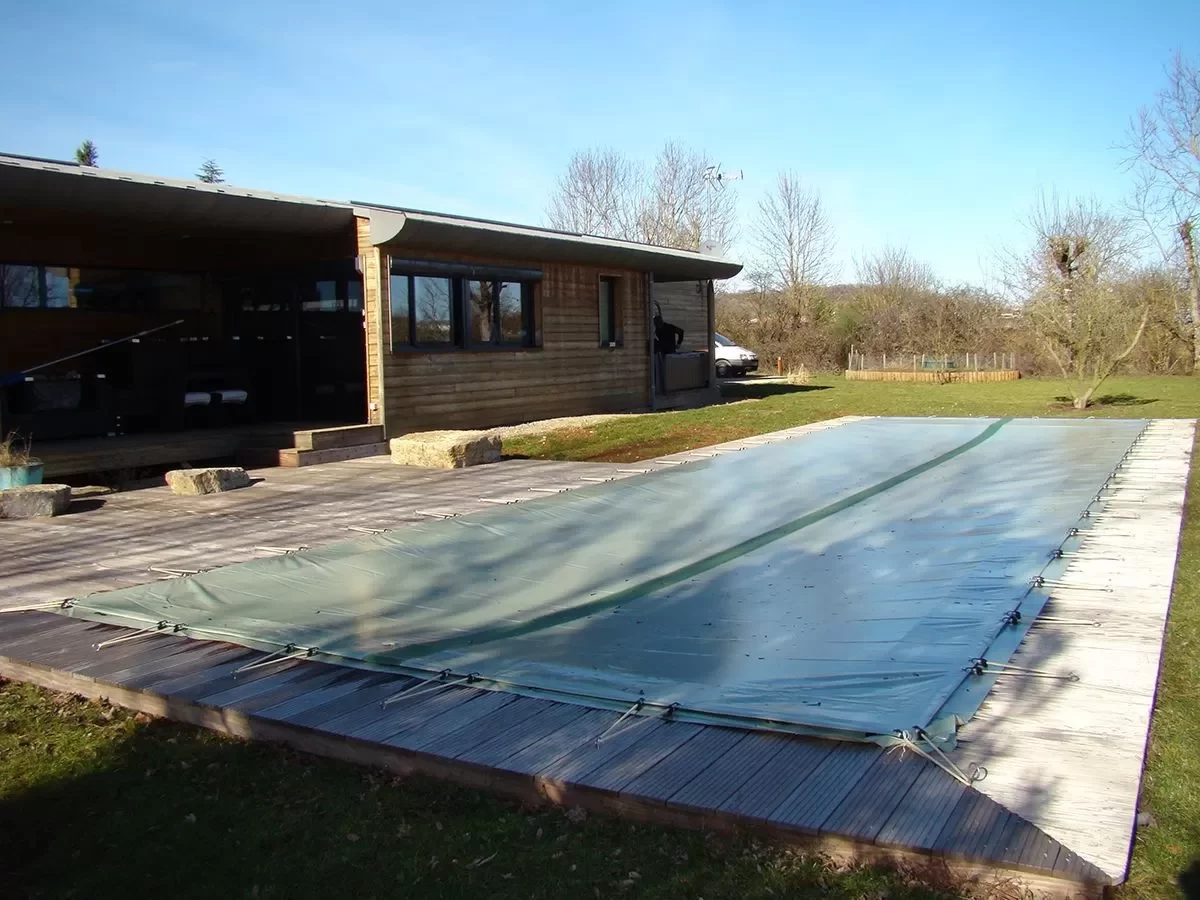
x,y
17,467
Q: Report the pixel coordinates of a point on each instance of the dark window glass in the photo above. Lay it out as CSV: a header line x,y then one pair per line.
x,y
513,312
481,305
608,331
460,311
57,287
326,299
401,299
432,310
20,286
354,295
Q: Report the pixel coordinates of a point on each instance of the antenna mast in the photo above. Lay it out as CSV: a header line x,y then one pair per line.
x,y
714,181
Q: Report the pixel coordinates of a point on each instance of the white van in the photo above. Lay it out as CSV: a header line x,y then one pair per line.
x,y
732,359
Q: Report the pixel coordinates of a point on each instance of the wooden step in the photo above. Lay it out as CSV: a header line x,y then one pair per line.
x,y
294,457
341,436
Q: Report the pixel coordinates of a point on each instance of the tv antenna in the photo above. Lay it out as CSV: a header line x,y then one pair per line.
x,y
714,176
714,182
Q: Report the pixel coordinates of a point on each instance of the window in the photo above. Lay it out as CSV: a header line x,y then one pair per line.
x,y
464,312
722,341
34,286
433,310
609,334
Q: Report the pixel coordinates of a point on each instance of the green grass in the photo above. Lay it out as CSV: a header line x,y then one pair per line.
x,y
98,802
755,409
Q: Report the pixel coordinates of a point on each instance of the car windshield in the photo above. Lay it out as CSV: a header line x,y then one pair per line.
x,y
723,341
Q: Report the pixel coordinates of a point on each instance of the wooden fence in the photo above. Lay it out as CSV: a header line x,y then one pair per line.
x,y
948,376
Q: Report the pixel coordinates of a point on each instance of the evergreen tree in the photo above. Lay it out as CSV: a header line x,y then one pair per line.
x,y
86,154
210,172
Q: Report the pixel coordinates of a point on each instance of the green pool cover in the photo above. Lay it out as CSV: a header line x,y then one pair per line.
x,y
838,583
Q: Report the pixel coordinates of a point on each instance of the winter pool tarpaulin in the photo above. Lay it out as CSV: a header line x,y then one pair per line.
x,y
842,583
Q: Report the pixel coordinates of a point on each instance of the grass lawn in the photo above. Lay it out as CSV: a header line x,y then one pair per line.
x,y
97,802
757,408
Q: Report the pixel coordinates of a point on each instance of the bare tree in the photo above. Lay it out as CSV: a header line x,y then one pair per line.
x,y
598,194
793,234
1069,279
670,204
86,154
1165,149
210,172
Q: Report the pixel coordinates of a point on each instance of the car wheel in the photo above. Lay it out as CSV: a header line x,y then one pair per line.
x,y
724,370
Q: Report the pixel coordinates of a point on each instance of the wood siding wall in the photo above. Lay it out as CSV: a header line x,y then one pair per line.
x,y
567,374
374,311
684,303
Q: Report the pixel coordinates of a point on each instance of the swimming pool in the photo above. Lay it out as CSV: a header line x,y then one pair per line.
x,y
838,583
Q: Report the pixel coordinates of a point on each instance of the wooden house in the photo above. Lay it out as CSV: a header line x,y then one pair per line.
x,y
258,312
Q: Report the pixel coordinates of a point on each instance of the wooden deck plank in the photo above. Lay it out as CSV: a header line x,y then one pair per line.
x,y
763,791
615,774
817,796
589,755
917,821
154,659
554,746
60,649
205,679
269,692
409,715
963,809
359,716
977,828
683,765
426,732
372,694
478,731
865,810
16,625
352,681
114,659
1040,853
203,658
258,681
518,737
14,645
728,772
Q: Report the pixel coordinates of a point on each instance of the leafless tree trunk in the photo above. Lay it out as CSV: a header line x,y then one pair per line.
x,y
1165,146
1193,284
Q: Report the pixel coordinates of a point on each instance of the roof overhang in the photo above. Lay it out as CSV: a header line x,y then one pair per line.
x,y
398,229
48,190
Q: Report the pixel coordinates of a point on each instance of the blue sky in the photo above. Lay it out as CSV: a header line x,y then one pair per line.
x,y
927,125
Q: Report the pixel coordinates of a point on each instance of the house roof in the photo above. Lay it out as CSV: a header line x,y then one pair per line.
x,y
52,187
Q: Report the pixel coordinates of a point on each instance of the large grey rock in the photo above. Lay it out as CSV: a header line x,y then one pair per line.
x,y
190,482
34,500
446,449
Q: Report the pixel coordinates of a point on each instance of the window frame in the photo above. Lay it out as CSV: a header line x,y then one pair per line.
x,y
615,318
461,307
41,279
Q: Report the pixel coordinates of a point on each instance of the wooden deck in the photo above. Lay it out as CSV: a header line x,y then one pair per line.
x,y
82,456
1053,819
852,801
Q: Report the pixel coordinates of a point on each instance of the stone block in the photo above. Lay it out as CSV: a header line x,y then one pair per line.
x,y
34,500
191,482
446,449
